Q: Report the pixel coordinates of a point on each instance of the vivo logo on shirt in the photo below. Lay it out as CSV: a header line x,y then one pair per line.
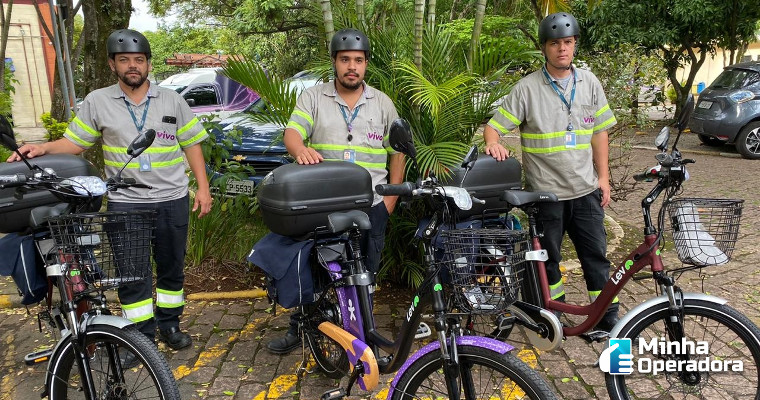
x,y
164,135
588,120
374,136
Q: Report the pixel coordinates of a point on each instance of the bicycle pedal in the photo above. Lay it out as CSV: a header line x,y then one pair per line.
x,y
595,336
38,357
334,394
423,331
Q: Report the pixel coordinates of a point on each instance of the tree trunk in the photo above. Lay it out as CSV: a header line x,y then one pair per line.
x,y
360,12
419,28
5,19
327,19
101,18
431,14
480,12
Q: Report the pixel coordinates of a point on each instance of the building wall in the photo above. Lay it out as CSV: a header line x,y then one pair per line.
x,y
29,47
713,66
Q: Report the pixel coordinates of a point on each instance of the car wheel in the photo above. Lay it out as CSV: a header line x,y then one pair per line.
x,y
748,141
711,141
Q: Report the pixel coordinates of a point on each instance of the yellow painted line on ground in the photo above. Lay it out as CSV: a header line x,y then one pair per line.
x,y
529,357
5,301
216,351
282,384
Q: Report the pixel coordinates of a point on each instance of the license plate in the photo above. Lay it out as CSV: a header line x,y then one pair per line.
x,y
235,186
705,104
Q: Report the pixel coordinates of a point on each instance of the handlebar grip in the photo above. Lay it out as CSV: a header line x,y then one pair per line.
x,y
7,181
129,181
141,186
641,177
401,189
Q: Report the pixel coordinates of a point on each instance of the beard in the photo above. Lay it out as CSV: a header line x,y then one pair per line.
x,y
348,84
131,80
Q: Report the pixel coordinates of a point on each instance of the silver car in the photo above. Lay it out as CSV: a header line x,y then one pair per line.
x,y
729,110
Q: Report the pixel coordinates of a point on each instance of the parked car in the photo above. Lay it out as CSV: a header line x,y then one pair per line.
x,y
261,146
209,92
729,110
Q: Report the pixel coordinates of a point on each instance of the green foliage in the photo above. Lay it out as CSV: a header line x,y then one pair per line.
x,y
6,97
55,129
4,154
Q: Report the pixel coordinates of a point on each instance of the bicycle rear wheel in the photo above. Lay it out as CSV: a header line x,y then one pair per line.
x,y
491,375
729,336
329,355
107,346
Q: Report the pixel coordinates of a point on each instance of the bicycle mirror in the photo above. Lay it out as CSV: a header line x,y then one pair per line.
x,y
401,137
141,142
470,158
6,134
661,141
688,108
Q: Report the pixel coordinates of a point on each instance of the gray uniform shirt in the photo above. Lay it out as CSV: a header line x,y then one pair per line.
x,y
104,113
551,161
319,120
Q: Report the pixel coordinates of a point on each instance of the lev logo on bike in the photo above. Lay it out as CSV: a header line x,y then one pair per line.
x,y
664,356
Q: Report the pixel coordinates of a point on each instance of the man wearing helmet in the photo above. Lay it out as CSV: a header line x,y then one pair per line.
x,y
117,114
348,120
563,117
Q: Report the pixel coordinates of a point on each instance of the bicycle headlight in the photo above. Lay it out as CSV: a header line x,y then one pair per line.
x,y
461,197
86,185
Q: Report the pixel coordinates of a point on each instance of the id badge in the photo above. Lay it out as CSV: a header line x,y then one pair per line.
x,y
349,155
144,160
570,139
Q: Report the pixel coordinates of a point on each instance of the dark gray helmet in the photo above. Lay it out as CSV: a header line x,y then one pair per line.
x,y
349,39
557,25
127,41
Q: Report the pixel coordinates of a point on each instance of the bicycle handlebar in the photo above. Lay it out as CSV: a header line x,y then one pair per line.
x,y
8,181
400,189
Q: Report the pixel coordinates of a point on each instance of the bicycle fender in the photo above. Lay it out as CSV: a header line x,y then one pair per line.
x,y
112,320
656,301
356,351
477,341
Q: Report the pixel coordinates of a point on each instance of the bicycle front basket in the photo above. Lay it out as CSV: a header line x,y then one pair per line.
x,y
485,266
705,230
100,251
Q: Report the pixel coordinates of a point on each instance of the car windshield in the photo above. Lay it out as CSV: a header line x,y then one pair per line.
x,y
735,79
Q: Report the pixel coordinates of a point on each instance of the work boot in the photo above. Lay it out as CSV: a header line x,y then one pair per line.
x,y
284,345
608,321
175,338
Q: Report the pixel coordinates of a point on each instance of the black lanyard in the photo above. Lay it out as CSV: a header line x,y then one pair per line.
x,y
141,124
556,89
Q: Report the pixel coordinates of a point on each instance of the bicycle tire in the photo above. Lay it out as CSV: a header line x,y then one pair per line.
x,y
330,357
732,337
424,379
151,378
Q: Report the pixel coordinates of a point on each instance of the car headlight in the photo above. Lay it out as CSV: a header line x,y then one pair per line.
x,y
741,96
461,197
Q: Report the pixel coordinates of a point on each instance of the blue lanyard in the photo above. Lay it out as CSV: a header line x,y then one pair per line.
x,y
345,116
141,124
556,89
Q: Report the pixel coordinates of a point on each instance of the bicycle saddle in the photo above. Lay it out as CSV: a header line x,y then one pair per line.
x,y
343,221
520,197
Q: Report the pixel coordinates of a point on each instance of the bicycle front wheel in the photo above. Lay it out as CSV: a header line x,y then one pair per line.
x,y
484,374
723,338
108,347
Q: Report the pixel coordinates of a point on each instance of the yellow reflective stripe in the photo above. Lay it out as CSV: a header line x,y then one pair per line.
x,y
298,127
86,127
593,294
72,135
605,124
615,300
156,164
602,110
187,126
305,116
555,149
552,135
363,164
509,116
360,149
123,150
390,149
169,298
497,126
195,138
138,312
556,290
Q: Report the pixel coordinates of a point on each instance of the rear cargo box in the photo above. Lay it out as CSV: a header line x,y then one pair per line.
x,y
487,180
296,199
14,212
